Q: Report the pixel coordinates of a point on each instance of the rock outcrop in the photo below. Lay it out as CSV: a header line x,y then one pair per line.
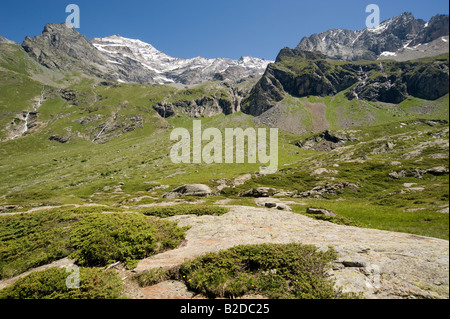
x,y
379,264
302,74
60,47
189,190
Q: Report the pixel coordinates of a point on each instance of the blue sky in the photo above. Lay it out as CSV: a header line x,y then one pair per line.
x,y
209,28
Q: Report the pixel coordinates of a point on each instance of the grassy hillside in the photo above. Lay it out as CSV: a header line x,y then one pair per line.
x,y
93,142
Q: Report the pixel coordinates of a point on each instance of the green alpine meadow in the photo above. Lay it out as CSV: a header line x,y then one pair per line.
x,y
358,207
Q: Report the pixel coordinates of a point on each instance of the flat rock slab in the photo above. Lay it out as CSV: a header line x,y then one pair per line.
x,y
379,264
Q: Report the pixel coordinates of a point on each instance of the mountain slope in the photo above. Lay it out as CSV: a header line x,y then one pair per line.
x,y
303,74
126,60
398,34
5,40
138,61
63,48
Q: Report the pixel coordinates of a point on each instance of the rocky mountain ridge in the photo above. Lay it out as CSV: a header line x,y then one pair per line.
x,y
391,39
127,60
5,40
138,61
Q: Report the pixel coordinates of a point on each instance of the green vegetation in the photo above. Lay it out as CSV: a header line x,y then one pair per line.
x,y
340,220
387,155
93,239
32,240
291,271
424,222
102,239
152,277
190,209
51,284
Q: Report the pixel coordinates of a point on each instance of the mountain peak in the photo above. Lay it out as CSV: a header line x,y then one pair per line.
x,y
5,40
392,35
64,48
138,61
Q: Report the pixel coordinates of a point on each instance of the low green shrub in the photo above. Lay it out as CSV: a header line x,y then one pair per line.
x,y
33,240
94,239
340,220
102,239
275,271
199,210
51,284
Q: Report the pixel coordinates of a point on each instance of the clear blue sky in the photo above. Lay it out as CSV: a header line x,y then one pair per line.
x,y
209,28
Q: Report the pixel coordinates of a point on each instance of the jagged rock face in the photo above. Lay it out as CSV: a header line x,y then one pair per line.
x,y
60,47
305,73
437,27
137,61
396,34
217,99
206,106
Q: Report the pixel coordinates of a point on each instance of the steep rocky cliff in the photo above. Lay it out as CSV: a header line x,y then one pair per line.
x,y
300,74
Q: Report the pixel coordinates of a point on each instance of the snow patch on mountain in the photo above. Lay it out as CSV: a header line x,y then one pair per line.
x,y
141,62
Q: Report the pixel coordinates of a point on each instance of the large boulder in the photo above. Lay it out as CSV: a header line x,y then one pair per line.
x,y
189,190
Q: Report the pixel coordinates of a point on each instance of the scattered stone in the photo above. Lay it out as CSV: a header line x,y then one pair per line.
x,y
189,190
60,139
391,145
270,205
418,172
439,156
240,180
281,194
320,211
398,175
412,210
440,170
328,189
321,171
260,192
281,206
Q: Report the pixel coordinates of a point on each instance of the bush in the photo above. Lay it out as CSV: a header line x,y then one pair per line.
x,y
36,239
33,240
275,271
51,284
169,211
102,239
